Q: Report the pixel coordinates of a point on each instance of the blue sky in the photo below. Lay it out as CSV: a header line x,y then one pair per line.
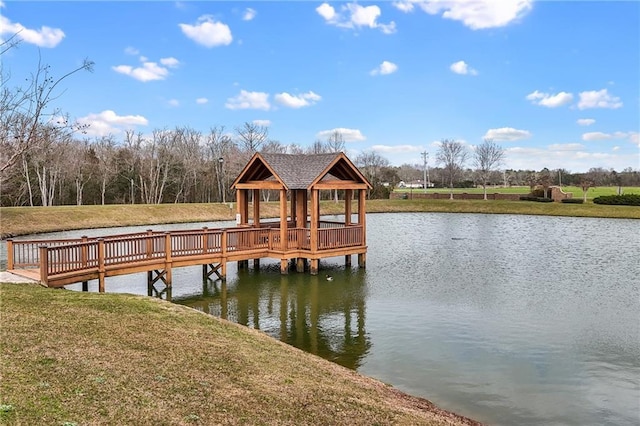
x,y
555,83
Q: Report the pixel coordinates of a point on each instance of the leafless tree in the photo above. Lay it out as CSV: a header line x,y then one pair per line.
x,y
544,180
585,184
487,157
219,147
106,166
251,136
452,155
24,111
318,147
335,143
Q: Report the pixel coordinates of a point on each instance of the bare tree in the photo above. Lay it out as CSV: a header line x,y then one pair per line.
x,y
318,147
487,157
25,110
335,143
106,166
585,184
544,180
452,155
219,147
251,136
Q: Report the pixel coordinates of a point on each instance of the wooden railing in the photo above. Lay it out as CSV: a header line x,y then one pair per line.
x,y
121,252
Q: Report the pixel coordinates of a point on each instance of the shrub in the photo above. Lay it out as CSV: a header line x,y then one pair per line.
x,y
619,200
537,199
572,200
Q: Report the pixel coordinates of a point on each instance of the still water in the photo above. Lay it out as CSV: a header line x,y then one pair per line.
x,y
505,319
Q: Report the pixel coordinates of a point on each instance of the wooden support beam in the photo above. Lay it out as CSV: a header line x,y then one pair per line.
x,y
256,207
284,266
313,269
362,260
293,206
347,260
340,184
283,220
209,269
300,261
10,264
256,264
101,267
348,195
44,265
314,220
362,214
259,184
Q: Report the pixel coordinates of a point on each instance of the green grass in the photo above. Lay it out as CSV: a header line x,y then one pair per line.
x,y
31,220
577,192
88,358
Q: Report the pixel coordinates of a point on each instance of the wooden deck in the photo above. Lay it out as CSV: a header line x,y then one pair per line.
x,y
56,263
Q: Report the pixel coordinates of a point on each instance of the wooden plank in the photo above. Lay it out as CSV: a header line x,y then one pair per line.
x,y
340,184
259,184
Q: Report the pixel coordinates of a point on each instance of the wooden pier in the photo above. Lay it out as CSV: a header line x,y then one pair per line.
x,y
297,236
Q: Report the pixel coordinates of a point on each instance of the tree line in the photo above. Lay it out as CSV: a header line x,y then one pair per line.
x,y
46,159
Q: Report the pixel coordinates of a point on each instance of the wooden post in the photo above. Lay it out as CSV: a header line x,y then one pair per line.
x,y
10,261
167,259
101,268
294,207
362,260
314,222
283,220
205,240
84,252
348,193
223,253
300,261
256,208
284,263
347,260
44,265
149,243
313,269
362,214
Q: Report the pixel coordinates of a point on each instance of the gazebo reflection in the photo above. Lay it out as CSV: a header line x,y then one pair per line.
x,y
325,318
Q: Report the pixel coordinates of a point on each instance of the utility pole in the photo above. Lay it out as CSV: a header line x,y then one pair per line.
x,y
425,159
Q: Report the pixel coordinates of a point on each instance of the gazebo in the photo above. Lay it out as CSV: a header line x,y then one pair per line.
x,y
300,233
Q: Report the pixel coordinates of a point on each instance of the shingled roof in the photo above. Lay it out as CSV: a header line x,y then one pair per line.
x,y
300,171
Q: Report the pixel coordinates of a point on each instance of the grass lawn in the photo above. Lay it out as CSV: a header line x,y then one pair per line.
x,y
31,220
577,192
73,358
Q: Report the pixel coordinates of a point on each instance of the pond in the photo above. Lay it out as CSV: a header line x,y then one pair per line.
x,y
505,319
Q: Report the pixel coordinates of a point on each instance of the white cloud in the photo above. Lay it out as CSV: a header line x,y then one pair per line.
x,y
585,121
566,147
43,37
461,67
249,14
384,68
170,62
507,134
129,50
263,123
598,136
349,135
548,100
598,99
354,16
404,6
149,71
475,14
297,101
173,102
249,100
396,148
202,101
208,32
108,122
634,138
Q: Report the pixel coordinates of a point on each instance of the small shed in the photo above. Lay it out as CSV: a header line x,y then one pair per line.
x,y
301,234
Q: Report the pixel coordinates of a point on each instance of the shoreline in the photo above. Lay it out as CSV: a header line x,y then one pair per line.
x,y
19,221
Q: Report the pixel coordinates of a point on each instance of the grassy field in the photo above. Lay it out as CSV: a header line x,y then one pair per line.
x,y
72,358
576,191
29,220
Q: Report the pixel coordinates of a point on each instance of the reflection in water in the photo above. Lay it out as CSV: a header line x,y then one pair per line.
x,y
325,318
506,319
